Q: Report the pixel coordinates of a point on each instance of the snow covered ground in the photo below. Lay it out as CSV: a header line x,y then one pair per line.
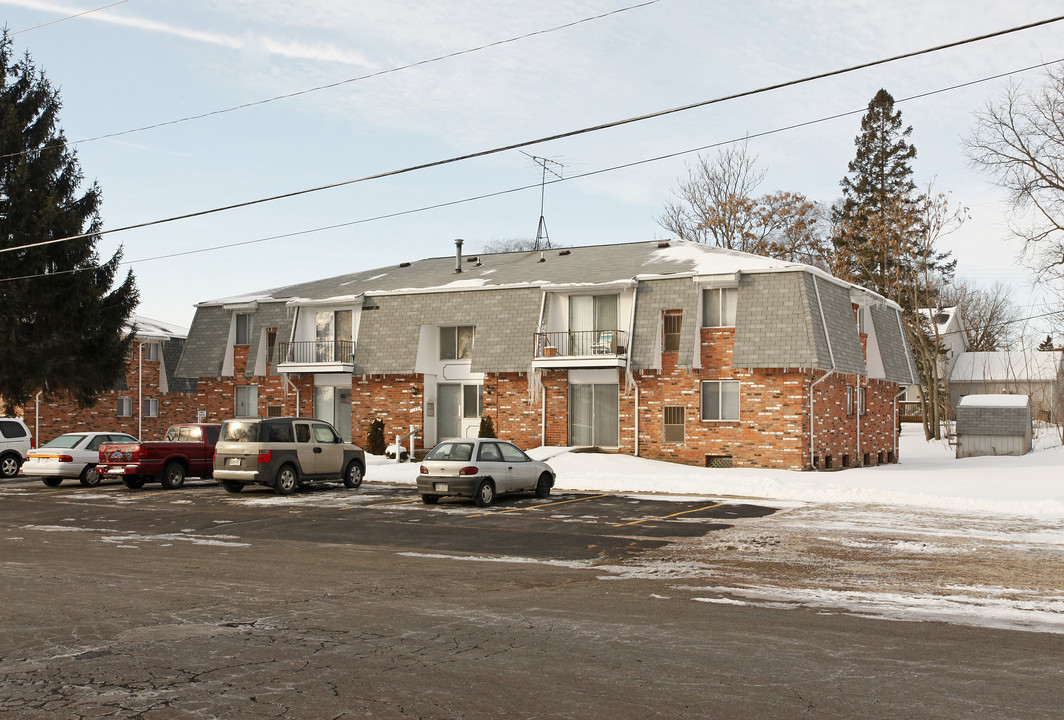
x,y
974,541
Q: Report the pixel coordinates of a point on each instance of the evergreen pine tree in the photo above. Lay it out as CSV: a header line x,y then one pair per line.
x,y
61,323
878,229
1047,344
487,427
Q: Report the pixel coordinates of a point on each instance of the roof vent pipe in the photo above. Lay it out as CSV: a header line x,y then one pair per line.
x,y
458,255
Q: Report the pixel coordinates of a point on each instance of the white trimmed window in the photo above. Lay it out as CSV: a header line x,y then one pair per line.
x,y
125,407
150,407
720,399
849,399
456,343
245,324
247,400
718,307
151,350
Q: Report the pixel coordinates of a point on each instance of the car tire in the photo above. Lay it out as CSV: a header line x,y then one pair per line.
x,y
89,477
9,466
287,480
485,494
133,482
430,499
353,475
173,476
543,486
232,485
51,481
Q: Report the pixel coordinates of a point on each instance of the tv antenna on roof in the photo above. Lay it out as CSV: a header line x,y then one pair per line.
x,y
542,239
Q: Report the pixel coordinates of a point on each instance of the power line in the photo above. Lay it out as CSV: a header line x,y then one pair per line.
x,y
550,138
498,193
328,86
68,17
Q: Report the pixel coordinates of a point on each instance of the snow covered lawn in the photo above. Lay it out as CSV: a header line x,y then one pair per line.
x,y
975,541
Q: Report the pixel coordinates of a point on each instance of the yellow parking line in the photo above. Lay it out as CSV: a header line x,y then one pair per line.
x,y
666,517
537,507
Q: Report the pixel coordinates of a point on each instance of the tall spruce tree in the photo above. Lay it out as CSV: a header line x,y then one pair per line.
x,y
61,319
876,222
884,238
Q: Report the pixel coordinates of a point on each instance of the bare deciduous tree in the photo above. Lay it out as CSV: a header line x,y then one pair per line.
x,y
991,320
716,205
1018,140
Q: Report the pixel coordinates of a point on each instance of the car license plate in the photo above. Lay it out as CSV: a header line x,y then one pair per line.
x,y
234,461
439,487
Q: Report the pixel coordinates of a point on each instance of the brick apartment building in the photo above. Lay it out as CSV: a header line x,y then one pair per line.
x,y
145,401
668,350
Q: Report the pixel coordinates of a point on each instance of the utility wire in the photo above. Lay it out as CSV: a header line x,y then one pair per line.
x,y
307,91
498,193
68,17
550,138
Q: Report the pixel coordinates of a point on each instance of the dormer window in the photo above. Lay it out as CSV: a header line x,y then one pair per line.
x,y
718,307
244,325
456,343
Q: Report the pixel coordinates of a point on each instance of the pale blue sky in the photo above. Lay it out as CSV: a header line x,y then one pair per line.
x,y
148,61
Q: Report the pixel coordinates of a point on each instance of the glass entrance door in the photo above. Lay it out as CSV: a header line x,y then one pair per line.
x,y
593,415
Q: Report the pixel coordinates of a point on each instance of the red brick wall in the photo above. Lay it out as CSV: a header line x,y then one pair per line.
x,y
773,429
59,413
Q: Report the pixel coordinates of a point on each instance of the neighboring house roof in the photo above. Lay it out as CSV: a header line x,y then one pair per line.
x,y
1006,367
148,329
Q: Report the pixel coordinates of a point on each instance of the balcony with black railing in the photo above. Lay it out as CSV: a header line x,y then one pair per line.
x,y
589,346
293,356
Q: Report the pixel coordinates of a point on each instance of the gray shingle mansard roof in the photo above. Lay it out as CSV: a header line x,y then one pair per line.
x,y
780,322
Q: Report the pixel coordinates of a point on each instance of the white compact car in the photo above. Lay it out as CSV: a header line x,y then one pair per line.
x,y
73,455
481,468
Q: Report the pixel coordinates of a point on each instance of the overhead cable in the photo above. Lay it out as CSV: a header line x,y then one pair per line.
x,y
68,17
548,138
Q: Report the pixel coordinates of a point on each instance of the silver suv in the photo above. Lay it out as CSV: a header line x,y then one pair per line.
x,y
284,453
15,442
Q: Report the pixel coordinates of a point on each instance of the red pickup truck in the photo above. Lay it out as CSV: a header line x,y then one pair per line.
x,y
186,451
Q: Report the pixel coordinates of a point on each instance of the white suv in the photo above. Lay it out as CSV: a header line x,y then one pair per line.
x,y
15,442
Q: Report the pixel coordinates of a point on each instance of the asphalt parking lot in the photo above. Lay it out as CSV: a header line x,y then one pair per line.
x,y
564,526
335,603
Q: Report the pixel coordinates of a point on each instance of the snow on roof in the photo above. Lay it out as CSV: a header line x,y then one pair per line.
x,y
942,317
994,401
148,328
1006,366
709,260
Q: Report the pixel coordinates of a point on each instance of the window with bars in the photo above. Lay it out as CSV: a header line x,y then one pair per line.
x,y
673,322
674,423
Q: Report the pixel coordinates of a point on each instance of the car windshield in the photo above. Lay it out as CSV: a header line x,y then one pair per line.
x,y
240,431
65,441
460,451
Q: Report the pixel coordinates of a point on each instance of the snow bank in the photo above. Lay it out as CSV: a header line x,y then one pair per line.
x,y
927,476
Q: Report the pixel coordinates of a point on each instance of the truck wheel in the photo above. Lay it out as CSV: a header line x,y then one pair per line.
x,y
89,477
353,474
133,482
173,476
286,481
